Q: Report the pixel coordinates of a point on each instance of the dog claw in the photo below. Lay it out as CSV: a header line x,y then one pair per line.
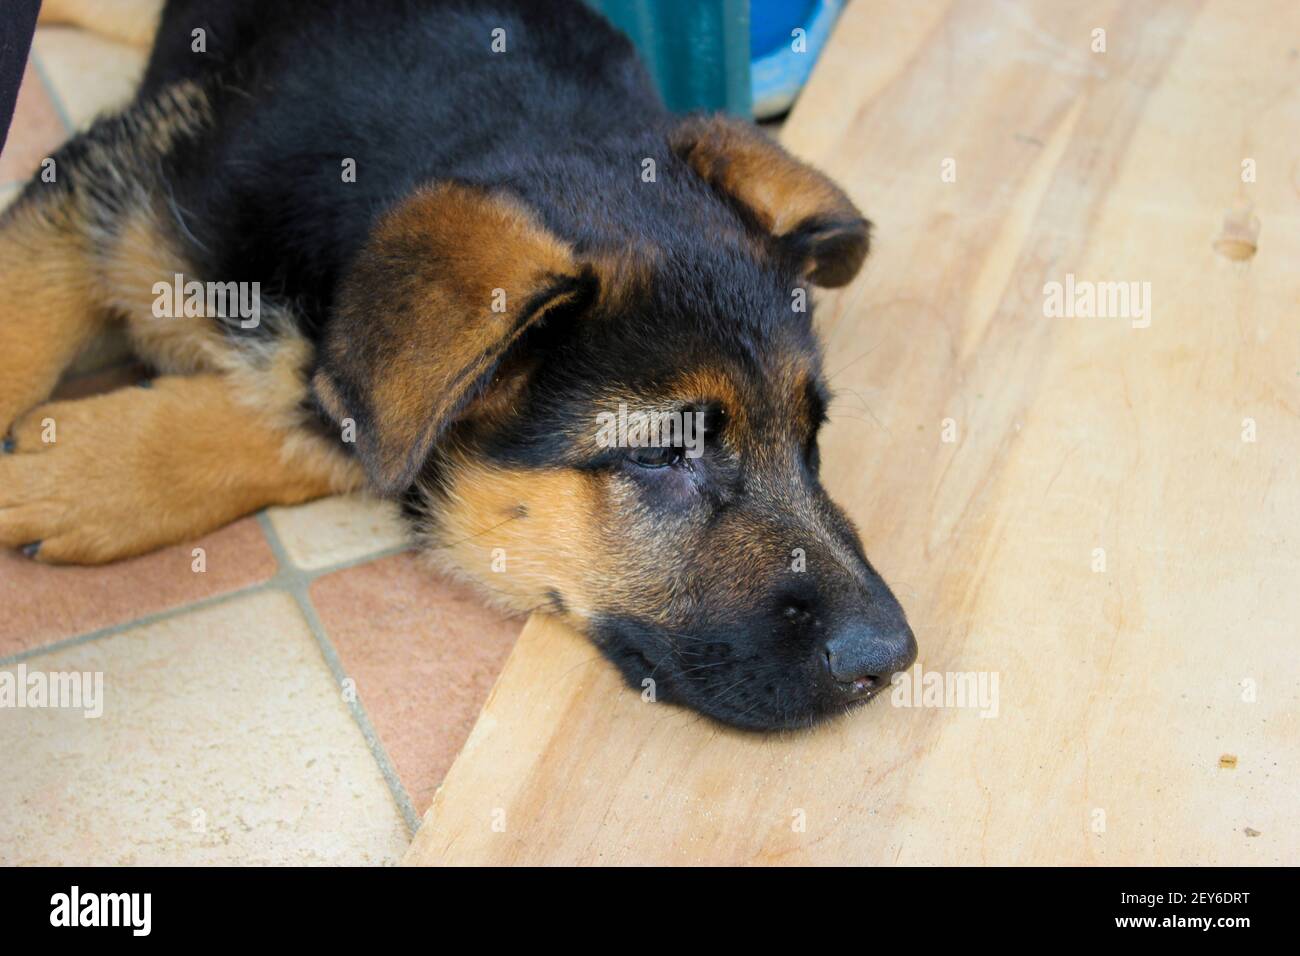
x,y
7,446
31,549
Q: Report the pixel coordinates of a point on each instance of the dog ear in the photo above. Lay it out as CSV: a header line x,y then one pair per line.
x,y
806,214
446,282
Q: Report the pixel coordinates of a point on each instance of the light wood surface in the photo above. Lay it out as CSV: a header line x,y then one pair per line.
x,y
1124,694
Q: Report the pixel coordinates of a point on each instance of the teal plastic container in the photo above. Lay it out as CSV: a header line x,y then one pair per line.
x,y
697,51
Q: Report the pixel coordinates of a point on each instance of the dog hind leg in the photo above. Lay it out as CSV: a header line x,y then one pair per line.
x,y
49,304
71,244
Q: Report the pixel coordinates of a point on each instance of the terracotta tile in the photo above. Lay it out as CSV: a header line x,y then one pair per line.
x,y
43,604
223,740
36,131
88,73
333,530
424,652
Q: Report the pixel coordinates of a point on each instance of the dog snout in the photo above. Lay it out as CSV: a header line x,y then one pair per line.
x,y
866,654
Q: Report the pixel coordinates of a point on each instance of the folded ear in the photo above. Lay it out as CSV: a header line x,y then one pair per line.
x,y
807,214
446,281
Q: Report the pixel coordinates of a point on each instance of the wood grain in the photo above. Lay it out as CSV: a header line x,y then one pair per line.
x,y
1119,690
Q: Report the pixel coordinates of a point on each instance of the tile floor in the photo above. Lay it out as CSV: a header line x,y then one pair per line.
x,y
293,693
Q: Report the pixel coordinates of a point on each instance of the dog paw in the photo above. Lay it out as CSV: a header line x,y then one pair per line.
x,y
70,486
9,412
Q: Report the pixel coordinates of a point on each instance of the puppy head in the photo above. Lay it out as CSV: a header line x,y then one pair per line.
x,y
628,437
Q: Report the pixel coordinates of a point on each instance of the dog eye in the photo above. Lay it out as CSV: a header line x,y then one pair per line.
x,y
661,457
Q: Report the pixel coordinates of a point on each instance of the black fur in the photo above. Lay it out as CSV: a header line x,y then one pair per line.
x,y
410,90
563,121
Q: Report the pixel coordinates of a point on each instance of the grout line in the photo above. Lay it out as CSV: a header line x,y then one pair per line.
x,y
368,732
284,578
311,574
288,571
51,91
145,621
297,582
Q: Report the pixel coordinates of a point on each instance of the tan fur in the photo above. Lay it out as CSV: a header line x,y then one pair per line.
x,y
624,274
480,245
141,254
48,306
328,398
545,523
68,264
704,383
140,468
583,544
575,543
434,266
739,159
131,21
787,197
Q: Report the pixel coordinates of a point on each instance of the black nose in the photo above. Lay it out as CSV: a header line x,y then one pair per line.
x,y
870,654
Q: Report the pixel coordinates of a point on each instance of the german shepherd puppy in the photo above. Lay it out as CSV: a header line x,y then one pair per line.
x,y
470,229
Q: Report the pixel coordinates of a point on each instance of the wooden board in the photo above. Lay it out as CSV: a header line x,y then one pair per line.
x,y
1147,712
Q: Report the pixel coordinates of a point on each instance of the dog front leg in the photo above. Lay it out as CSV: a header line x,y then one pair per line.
x,y
116,475
49,305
